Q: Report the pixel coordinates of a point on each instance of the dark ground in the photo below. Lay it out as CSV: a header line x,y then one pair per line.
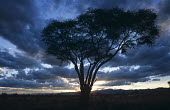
x,y
155,100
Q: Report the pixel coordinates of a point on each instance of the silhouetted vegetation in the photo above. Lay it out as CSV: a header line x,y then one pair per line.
x,y
95,37
145,100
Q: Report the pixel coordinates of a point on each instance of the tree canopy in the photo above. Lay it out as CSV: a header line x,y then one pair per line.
x,y
96,36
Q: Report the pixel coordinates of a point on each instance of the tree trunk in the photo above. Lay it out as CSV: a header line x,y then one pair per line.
x,y
85,93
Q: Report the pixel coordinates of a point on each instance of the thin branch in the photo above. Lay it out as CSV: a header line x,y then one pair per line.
x,y
88,73
102,63
91,72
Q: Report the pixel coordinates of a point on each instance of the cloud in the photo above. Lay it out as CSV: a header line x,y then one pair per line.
x,y
23,28
43,74
20,83
18,24
117,83
125,73
1,70
21,23
164,7
126,82
81,5
31,72
164,15
141,63
44,77
155,79
17,60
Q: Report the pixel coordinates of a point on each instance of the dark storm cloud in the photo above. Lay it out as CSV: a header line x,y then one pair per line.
x,y
16,60
44,74
126,73
157,57
141,63
21,23
47,77
63,72
155,79
18,83
164,16
18,24
35,74
49,59
81,5
126,4
34,79
151,61
164,7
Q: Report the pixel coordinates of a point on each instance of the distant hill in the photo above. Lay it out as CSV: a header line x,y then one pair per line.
x,y
120,91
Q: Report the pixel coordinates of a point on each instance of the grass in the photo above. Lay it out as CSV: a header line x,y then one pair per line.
x,y
132,101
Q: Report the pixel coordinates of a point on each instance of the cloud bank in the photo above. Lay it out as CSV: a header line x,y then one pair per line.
x,y
21,23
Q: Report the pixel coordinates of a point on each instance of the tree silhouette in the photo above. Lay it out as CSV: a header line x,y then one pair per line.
x,y
169,83
95,37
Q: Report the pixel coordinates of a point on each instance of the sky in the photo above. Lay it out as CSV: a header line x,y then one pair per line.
x,y
26,68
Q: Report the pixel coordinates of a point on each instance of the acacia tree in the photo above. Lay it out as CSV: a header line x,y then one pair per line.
x,y
95,37
169,83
